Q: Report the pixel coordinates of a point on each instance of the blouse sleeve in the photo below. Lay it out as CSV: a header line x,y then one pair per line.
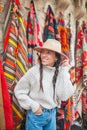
x,y
22,90
64,88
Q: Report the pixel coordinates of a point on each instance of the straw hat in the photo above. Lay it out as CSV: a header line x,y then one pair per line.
x,y
51,44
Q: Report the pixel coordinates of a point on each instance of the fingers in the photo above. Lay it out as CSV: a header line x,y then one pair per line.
x,y
39,111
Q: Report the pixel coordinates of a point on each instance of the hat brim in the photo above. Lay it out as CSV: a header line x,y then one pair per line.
x,y
39,49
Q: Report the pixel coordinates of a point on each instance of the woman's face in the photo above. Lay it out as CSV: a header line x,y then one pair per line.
x,y
48,57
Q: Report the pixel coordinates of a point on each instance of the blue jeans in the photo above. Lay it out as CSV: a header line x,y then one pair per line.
x,y
45,121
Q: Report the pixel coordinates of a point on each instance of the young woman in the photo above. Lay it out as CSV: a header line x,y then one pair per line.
x,y
42,88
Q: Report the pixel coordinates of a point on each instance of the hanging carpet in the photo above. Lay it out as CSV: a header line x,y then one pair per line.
x,y
15,61
34,36
50,29
6,120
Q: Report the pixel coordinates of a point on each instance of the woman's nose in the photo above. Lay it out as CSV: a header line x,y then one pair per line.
x,y
44,54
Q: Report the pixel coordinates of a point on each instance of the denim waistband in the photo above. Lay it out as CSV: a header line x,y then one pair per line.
x,y
53,109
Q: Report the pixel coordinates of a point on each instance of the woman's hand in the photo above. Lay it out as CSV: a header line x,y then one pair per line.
x,y
72,74
39,111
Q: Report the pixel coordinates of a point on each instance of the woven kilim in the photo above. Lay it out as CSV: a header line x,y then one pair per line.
x,y
63,32
6,120
78,69
84,93
34,36
16,60
78,62
50,29
81,71
7,26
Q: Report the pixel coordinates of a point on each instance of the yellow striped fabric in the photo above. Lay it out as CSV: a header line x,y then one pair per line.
x,y
16,62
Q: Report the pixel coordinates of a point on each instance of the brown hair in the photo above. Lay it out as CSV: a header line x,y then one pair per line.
x,y
56,65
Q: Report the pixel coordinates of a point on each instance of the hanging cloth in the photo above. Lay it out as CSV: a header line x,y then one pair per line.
x,y
78,69
2,116
6,123
15,62
50,29
78,61
7,26
81,76
7,22
84,93
34,36
63,32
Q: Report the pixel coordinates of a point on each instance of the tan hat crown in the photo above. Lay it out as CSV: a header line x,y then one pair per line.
x,y
51,44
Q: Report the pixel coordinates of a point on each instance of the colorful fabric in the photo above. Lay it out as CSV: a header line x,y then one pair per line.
x,y
15,61
7,25
64,39
81,70
65,120
33,33
85,33
63,32
84,107
84,57
78,70
78,62
60,119
2,116
50,29
84,93
6,120
84,63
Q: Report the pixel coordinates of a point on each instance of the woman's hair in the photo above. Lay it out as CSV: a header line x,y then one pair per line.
x,y
56,65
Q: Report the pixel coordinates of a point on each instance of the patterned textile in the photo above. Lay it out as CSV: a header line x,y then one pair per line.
x,y
66,113
78,70
7,26
85,33
69,109
15,61
84,57
84,94
64,39
60,119
81,72
69,114
33,33
6,120
78,62
50,29
8,22
84,107
63,32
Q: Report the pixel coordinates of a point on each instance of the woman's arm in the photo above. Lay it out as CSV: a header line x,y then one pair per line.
x,y
65,89
22,90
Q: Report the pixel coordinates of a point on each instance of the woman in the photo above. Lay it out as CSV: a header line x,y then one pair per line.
x,y
42,88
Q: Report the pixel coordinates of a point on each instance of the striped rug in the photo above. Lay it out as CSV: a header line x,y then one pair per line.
x,y
15,62
6,120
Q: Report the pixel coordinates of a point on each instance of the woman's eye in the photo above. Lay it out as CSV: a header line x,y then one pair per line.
x,y
48,52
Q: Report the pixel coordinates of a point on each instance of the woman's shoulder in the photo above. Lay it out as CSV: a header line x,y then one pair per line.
x,y
34,68
33,71
64,67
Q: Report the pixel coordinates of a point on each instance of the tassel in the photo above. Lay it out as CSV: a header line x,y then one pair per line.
x,y
68,115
